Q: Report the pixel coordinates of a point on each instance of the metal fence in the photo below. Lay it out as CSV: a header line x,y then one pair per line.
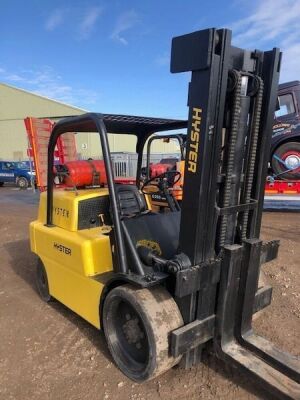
x,y
125,164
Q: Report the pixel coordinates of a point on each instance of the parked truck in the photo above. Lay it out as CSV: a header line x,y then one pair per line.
x,y
16,172
285,150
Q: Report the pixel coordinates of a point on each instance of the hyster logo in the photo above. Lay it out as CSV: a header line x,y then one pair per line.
x,y
63,249
194,143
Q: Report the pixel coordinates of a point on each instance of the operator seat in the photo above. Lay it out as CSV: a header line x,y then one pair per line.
x,y
131,200
159,231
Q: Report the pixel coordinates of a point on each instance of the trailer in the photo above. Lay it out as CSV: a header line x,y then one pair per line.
x,y
282,195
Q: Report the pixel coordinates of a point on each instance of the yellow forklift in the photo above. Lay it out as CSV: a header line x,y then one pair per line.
x,y
166,286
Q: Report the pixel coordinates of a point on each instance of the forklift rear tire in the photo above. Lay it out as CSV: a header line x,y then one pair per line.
x,y
42,282
1,184
137,325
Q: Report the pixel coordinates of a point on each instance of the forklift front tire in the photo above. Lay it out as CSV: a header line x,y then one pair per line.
x,y
42,282
137,324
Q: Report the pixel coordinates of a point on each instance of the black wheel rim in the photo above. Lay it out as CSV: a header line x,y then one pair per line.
x,y
128,336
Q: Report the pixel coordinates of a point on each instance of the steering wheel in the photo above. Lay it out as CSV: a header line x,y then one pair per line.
x,y
162,176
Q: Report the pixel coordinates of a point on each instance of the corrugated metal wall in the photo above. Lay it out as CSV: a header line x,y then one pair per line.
x,y
15,105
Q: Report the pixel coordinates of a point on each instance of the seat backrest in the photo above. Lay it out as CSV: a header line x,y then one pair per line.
x,y
157,231
131,201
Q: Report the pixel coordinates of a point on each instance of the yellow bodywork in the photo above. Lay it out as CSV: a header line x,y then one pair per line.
x,y
72,258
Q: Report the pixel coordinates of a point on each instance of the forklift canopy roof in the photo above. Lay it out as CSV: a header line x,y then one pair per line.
x,y
114,123
142,127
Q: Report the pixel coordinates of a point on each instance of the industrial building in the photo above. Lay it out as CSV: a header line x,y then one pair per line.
x,y
17,104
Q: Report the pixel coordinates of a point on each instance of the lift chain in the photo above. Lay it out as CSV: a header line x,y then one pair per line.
x,y
253,150
231,151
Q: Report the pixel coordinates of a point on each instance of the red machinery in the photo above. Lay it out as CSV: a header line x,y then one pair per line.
x,y
38,133
160,168
70,171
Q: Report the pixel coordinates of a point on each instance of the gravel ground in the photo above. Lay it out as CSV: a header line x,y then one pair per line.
x,y
48,352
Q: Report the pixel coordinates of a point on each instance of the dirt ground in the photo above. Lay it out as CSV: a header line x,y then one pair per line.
x,y
48,352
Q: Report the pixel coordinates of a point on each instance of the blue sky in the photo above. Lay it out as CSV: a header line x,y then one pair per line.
x,y
113,56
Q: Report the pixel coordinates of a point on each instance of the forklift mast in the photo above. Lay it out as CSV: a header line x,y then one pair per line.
x,y
232,98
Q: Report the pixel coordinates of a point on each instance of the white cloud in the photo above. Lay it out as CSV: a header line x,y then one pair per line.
x,y
163,59
88,22
124,22
13,77
48,83
290,63
276,22
55,19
